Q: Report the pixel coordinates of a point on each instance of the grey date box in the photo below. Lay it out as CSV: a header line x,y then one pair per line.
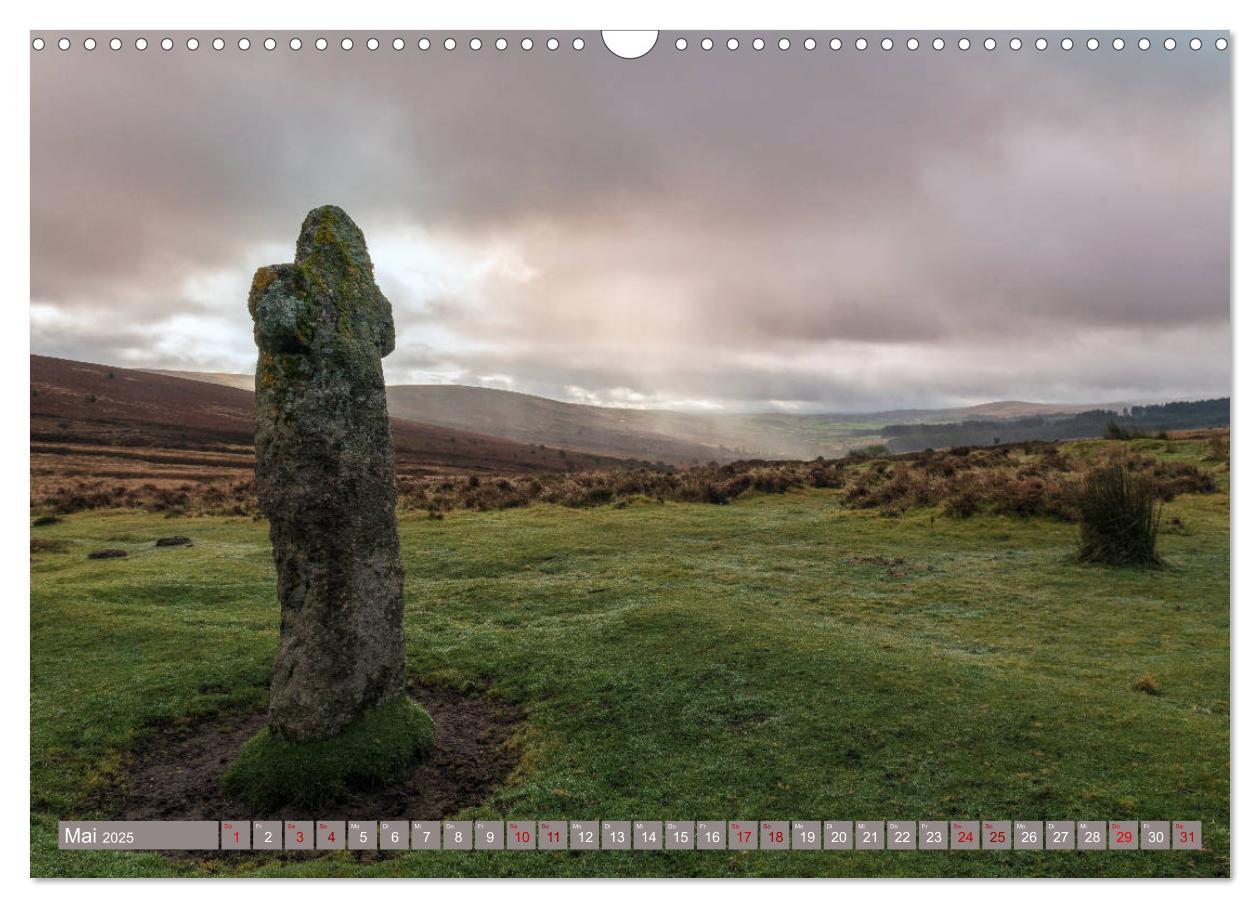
x,y
1123,835
457,835
234,835
522,835
806,835
868,835
553,835
268,835
837,835
741,835
584,835
1028,835
299,835
775,835
393,835
900,835
1091,835
711,835
648,835
426,835
488,835
680,835
1156,835
361,835
964,835
1187,835
1060,835
614,835
995,835
330,835
933,835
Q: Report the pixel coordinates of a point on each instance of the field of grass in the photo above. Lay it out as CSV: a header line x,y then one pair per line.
x,y
779,657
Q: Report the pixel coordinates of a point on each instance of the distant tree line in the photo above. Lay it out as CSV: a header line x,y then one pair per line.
x,y
1131,423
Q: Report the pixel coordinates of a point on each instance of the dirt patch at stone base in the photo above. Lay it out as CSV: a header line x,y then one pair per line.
x,y
178,776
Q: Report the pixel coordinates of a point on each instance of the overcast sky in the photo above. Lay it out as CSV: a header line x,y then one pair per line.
x,y
811,230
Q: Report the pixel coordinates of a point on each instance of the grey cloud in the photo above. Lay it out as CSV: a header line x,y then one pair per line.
x,y
686,214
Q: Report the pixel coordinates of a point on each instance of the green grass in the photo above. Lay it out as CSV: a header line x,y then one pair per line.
x,y
377,748
757,660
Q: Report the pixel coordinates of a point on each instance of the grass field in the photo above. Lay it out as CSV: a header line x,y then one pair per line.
x,y
779,657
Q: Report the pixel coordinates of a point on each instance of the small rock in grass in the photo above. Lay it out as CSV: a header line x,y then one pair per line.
x,y
49,519
173,540
108,553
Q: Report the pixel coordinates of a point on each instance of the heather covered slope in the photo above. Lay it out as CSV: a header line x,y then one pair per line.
x,y
97,429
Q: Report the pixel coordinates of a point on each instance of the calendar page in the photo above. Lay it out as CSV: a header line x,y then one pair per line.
x,y
703,453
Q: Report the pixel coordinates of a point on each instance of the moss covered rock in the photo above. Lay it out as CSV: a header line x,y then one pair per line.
x,y
377,748
325,468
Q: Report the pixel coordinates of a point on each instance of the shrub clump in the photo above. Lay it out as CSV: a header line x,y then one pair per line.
x,y
1119,520
376,749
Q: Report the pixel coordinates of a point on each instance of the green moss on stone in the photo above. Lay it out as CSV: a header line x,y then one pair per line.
x,y
376,749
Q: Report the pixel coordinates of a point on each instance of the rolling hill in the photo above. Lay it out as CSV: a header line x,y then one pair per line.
x,y
662,435
84,406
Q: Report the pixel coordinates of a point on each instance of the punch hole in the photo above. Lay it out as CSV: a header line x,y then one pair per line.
x,y
501,44
89,44
630,45
912,43
373,44
270,44
1042,44
784,44
1221,44
1066,44
886,44
964,43
835,44
1092,44
938,44
346,44
399,44
141,43
1144,44
732,44
1195,44
860,44
1118,44
990,44
167,44
295,44
1016,44
1169,44
552,44
759,43
116,44
706,44
424,44
38,44
449,43
474,44
243,44
810,43
217,44
527,44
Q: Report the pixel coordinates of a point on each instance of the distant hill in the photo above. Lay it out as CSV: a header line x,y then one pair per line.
x,y
230,379
662,435
1121,422
83,404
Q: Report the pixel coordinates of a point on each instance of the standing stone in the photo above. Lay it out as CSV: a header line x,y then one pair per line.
x,y
325,464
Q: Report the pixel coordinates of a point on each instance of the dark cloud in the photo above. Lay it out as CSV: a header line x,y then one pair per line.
x,y
826,229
